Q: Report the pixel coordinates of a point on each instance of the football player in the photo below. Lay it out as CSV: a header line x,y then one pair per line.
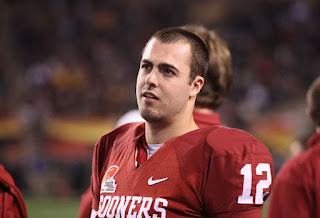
x,y
217,85
167,166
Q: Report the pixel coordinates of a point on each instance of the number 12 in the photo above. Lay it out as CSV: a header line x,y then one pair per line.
x,y
246,171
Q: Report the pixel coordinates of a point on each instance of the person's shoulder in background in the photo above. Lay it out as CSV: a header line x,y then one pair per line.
x,y
11,200
129,117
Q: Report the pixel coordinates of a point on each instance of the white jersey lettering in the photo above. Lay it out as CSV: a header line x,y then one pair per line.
x,y
122,207
112,207
93,214
145,207
133,205
160,209
116,206
103,209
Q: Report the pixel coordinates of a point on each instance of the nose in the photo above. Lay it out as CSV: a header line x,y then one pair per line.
x,y
152,79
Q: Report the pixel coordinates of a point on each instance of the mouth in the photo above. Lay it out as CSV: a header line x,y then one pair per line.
x,y
149,96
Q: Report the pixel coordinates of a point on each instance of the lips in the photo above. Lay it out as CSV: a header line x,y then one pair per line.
x,y
149,95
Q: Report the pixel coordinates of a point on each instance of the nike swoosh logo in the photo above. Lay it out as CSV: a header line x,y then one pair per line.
x,y
152,182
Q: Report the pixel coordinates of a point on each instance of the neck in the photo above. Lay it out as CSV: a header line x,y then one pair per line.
x,y
203,110
161,131
318,129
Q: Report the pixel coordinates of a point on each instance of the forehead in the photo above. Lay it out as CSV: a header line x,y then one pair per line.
x,y
177,54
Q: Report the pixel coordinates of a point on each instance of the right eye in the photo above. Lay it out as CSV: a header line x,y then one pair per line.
x,y
145,66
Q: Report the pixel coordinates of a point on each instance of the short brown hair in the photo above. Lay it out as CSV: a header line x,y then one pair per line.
x,y
219,76
199,52
313,101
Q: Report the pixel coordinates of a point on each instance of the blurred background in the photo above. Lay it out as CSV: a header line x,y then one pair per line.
x,y
68,71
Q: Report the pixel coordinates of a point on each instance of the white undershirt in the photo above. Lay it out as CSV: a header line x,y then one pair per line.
x,y
153,148
150,151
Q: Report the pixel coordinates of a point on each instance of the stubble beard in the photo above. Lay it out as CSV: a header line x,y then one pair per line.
x,y
151,116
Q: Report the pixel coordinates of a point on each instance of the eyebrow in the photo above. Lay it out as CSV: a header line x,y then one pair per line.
x,y
146,61
163,65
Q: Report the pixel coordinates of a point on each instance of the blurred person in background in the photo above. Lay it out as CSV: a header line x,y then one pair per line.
x,y
130,117
216,87
296,191
218,78
12,204
299,144
191,171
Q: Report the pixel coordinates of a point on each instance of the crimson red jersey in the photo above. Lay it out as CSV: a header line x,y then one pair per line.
x,y
85,204
209,172
11,200
204,120
296,191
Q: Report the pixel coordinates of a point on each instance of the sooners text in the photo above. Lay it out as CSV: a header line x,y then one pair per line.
x,y
131,206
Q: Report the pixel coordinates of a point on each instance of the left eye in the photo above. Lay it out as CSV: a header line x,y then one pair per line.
x,y
167,71
145,66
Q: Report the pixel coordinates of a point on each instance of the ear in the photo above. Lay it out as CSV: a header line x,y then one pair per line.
x,y
196,86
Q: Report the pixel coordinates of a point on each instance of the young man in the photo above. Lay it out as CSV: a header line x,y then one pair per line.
x,y
296,191
168,167
213,92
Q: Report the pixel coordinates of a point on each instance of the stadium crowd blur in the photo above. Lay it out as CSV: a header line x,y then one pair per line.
x,y
65,62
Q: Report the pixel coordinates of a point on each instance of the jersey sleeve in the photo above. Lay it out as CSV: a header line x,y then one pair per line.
x,y
95,178
85,204
12,203
239,176
99,159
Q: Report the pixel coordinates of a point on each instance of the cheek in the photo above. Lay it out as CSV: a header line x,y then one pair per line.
x,y
139,82
138,87
180,93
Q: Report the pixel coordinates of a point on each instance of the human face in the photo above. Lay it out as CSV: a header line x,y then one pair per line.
x,y
162,85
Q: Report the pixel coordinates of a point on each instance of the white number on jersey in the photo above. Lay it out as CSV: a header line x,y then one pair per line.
x,y
246,171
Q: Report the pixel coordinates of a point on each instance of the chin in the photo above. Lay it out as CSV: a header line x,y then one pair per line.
x,y
150,116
